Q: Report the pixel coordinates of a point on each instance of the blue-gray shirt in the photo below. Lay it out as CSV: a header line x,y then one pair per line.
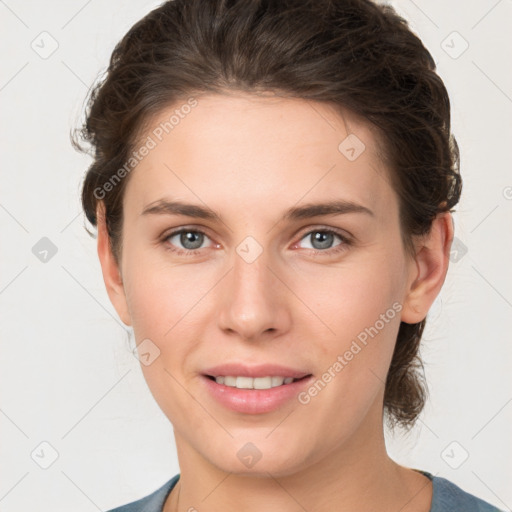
x,y
446,497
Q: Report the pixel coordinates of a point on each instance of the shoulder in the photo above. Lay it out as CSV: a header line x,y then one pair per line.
x,y
153,502
448,496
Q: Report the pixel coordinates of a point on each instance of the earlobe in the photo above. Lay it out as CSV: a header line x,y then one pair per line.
x,y
431,266
110,269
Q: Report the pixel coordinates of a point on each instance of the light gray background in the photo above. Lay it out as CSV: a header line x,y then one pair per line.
x,y
67,375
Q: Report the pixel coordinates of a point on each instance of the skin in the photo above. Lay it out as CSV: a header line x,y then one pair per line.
x,y
250,158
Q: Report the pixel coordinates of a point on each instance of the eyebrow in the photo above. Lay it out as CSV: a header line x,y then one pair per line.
x,y
337,207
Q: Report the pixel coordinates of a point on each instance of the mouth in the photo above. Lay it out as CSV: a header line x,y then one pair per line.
x,y
256,388
256,383
254,395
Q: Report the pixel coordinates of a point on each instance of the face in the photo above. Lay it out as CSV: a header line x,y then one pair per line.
x,y
268,280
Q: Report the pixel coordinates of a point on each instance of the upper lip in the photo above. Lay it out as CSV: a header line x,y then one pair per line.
x,y
261,370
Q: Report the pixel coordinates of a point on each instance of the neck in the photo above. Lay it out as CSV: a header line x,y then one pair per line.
x,y
356,475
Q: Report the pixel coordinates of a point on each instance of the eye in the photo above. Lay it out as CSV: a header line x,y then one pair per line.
x,y
190,239
321,240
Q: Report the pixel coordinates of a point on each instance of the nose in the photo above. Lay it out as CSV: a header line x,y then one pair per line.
x,y
253,302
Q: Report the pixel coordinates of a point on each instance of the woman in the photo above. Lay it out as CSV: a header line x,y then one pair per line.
x,y
272,186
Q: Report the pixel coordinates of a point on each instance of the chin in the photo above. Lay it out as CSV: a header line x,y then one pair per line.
x,y
251,461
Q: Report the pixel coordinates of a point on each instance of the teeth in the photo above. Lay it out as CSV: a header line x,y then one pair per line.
x,y
250,383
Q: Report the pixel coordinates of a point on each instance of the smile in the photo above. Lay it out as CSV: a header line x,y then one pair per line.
x,y
242,382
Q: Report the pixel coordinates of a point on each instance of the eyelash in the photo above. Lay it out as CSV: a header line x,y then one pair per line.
x,y
316,252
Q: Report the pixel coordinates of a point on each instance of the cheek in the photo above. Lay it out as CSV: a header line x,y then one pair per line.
x,y
361,307
344,300
360,302
166,308
162,298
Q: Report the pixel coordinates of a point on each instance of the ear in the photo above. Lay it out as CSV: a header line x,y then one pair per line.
x,y
110,269
429,269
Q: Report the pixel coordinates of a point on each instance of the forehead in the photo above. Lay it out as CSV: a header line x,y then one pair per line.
x,y
264,150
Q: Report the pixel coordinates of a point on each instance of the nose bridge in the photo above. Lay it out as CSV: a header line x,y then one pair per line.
x,y
251,304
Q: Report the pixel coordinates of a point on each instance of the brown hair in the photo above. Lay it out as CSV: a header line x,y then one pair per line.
x,y
350,53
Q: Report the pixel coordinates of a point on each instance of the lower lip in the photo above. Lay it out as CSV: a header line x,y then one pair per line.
x,y
255,401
